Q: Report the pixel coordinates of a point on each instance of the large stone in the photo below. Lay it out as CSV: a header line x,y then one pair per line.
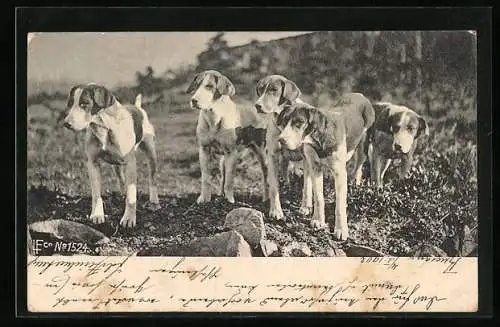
x,y
355,250
249,223
226,244
296,249
66,230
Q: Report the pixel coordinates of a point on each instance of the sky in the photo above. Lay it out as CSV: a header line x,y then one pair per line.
x,y
113,58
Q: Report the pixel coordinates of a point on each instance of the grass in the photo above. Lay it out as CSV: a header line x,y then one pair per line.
x,y
440,192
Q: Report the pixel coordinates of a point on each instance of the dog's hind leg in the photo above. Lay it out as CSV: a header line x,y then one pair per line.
x,y
129,216
149,148
263,165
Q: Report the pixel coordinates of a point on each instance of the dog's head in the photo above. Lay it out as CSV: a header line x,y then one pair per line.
x,y
300,123
274,92
403,124
84,101
207,87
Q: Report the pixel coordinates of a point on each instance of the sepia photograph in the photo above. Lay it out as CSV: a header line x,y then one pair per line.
x,y
252,144
306,162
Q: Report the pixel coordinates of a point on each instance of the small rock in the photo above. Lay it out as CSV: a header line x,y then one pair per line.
x,y
335,252
355,250
226,244
249,223
427,250
268,247
296,249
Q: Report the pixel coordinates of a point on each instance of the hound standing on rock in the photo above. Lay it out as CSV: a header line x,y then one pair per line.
x,y
224,129
114,132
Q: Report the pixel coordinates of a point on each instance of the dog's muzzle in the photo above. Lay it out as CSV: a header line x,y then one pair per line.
x,y
68,125
259,108
194,104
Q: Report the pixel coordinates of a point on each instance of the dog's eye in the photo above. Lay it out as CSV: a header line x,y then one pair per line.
x,y
297,123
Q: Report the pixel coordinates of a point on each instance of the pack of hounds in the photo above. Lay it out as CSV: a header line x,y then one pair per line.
x,y
281,129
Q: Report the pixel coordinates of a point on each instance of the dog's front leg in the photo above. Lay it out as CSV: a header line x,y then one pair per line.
x,y
339,171
376,168
307,191
275,210
129,216
229,162
406,164
314,170
385,163
97,213
205,194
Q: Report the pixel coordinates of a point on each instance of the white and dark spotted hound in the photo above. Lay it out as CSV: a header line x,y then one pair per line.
x,y
393,135
224,129
274,93
330,136
113,133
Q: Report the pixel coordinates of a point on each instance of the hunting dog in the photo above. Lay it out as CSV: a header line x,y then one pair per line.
x,y
113,133
224,129
393,135
330,136
274,92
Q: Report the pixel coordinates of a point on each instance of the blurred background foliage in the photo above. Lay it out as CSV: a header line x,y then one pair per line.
x,y
432,72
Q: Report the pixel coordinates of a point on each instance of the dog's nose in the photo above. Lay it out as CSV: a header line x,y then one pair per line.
x,y
67,125
194,102
282,141
397,147
259,108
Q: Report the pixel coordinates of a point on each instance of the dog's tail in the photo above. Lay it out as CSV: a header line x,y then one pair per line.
x,y
138,101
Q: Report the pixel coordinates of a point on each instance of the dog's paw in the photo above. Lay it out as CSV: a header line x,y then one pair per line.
x,y
97,218
341,234
203,198
230,198
318,224
276,213
152,206
128,220
305,210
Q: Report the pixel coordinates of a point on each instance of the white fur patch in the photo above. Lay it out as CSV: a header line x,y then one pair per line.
x,y
131,194
98,209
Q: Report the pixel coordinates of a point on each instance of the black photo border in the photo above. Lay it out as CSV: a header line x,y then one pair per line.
x,y
107,19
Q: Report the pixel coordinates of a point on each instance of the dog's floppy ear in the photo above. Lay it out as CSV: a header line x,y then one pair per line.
x,y
195,83
102,97
321,131
71,97
284,116
382,117
422,126
224,87
261,85
290,92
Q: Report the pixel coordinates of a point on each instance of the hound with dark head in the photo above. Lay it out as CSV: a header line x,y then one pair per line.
x,y
393,135
275,92
224,129
113,133
328,137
